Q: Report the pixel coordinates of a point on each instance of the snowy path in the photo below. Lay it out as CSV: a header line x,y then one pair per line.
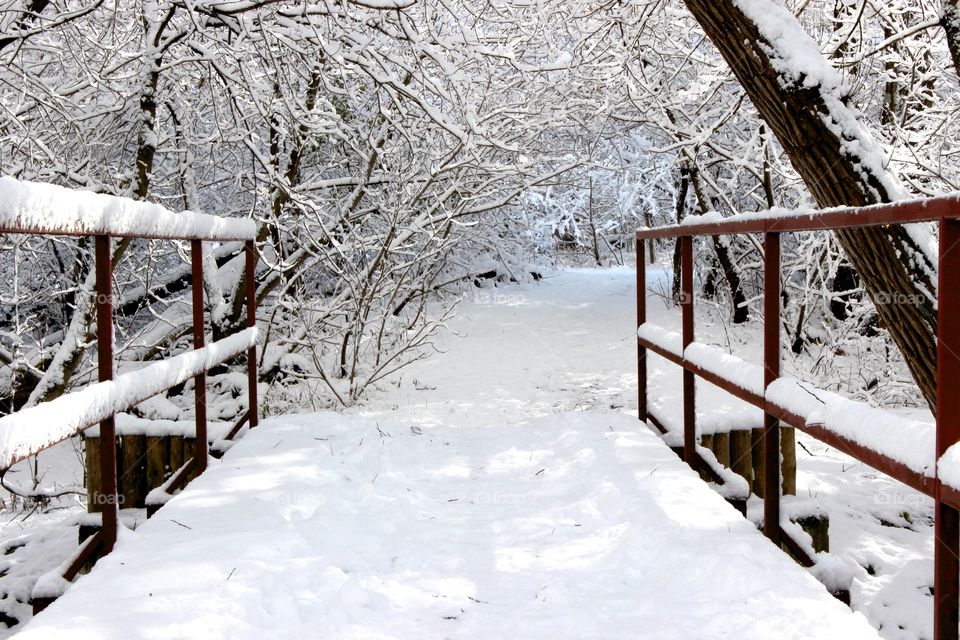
x,y
476,500
566,343
576,526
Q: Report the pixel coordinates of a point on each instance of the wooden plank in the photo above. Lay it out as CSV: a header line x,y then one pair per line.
x,y
741,455
189,450
176,453
946,532
756,450
903,212
706,441
133,476
91,450
893,468
788,449
721,448
158,459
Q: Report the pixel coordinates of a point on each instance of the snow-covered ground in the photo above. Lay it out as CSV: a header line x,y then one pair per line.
x,y
579,525
568,344
430,499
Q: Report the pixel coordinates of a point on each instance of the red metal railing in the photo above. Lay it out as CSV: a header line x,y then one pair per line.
x,y
945,211
103,540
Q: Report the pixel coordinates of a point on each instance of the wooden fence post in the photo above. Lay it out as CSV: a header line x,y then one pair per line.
x,y
641,318
771,371
251,292
200,380
689,384
107,497
946,546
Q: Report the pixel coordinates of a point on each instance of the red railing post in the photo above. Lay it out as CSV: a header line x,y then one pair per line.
x,y
689,384
771,371
107,499
946,566
200,380
251,287
641,318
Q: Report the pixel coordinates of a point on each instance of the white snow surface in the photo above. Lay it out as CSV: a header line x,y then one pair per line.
x,y
49,208
45,424
135,425
949,467
716,360
906,440
580,525
671,341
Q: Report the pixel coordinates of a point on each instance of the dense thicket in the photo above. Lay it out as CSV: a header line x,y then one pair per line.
x,y
394,152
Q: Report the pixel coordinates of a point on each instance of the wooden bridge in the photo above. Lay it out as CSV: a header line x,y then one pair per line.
x,y
221,541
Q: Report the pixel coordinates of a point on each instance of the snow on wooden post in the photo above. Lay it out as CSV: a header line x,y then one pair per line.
x,y
200,380
107,497
946,575
641,318
251,291
771,371
689,389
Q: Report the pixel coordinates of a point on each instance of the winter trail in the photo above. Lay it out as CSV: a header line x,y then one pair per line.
x,y
502,490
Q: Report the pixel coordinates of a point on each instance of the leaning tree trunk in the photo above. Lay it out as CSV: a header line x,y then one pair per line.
x,y
805,120
951,25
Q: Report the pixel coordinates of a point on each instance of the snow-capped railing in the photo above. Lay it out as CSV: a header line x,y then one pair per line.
x,y
73,412
43,209
47,209
926,457
869,434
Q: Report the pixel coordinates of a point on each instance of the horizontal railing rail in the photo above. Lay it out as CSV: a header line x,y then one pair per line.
x,y
872,456
789,221
764,387
49,210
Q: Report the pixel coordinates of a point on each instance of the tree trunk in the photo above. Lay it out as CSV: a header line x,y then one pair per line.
x,y
951,25
593,227
891,88
844,282
680,212
280,199
741,312
804,120
651,243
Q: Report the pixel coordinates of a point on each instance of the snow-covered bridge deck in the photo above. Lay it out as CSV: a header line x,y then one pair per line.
x,y
579,525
